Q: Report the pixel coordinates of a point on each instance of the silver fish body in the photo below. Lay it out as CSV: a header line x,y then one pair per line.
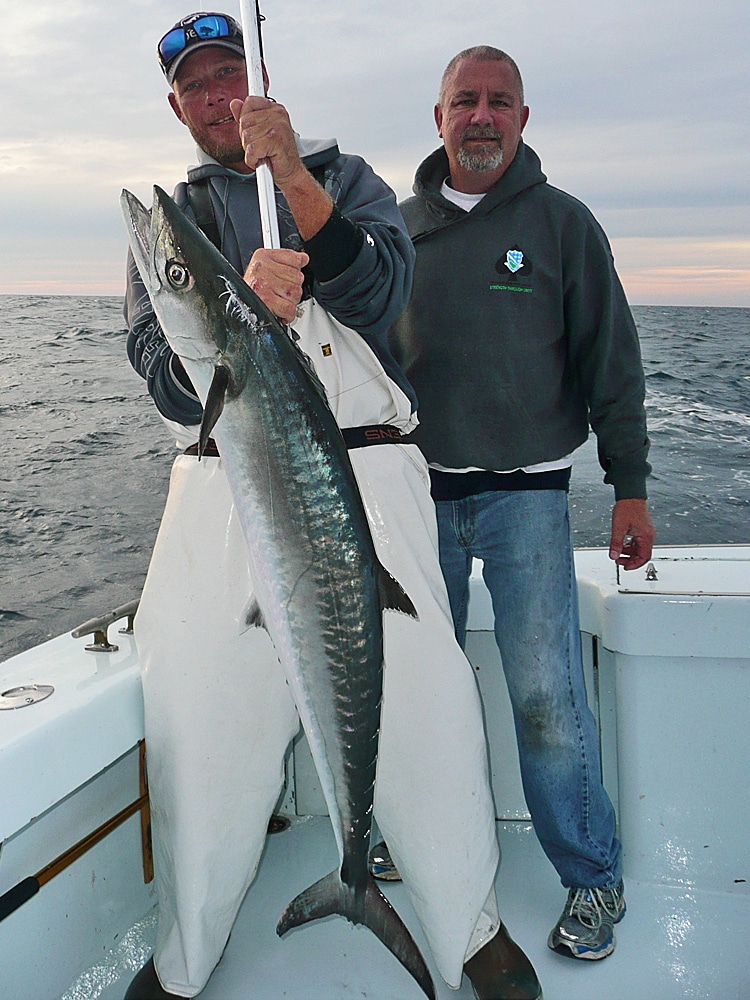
x,y
320,590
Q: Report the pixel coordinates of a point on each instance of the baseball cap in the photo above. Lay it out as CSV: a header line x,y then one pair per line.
x,y
196,31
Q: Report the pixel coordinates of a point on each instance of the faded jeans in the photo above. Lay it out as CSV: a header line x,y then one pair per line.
x,y
524,540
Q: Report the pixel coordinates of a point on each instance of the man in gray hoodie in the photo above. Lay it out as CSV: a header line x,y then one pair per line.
x,y
517,338
218,712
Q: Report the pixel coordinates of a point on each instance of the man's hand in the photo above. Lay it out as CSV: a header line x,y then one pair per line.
x,y
633,534
267,137
276,278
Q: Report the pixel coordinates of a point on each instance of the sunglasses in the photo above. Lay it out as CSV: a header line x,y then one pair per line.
x,y
208,26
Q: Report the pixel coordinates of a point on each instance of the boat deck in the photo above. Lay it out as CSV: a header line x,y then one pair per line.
x,y
667,659
673,943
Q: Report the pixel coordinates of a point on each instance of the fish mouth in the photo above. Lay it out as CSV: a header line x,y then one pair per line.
x,y
138,222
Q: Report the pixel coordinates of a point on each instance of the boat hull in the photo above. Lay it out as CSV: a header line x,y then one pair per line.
x,y
668,673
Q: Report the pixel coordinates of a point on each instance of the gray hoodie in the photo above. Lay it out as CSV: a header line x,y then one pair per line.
x,y
360,264
518,335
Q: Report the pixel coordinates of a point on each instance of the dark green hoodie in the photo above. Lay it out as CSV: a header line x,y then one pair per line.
x,y
518,335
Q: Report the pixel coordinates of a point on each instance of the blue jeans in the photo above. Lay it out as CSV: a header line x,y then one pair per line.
x,y
524,540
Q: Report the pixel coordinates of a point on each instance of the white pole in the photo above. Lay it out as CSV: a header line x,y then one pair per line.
x,y
251,34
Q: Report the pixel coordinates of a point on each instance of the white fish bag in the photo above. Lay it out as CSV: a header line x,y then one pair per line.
x,y
358,388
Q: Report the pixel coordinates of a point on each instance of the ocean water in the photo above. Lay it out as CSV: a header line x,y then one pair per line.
x,y
86,460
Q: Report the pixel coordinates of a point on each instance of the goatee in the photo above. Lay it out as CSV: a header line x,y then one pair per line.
x,y
478,160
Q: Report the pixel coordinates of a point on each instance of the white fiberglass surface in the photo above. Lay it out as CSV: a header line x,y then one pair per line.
x,y
672,944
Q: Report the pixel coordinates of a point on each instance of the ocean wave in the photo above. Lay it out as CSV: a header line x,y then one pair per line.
x,y
88,470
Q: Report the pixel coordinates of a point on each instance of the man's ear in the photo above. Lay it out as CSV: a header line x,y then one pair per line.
x,y
439,119
174,105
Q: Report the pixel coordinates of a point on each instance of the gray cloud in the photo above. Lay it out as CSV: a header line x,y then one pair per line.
x,y
639,109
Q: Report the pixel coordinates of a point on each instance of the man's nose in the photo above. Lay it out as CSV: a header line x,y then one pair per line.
x,y
482,112
215,94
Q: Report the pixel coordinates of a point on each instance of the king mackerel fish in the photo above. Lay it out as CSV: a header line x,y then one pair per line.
x,y
320,589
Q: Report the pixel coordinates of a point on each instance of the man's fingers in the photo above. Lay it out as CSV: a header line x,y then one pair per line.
x,y
633,534
276,278
267,135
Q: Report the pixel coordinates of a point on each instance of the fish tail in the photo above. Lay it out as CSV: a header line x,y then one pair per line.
x,y
386,924
330,895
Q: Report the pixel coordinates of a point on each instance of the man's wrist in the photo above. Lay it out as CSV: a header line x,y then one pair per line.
x,y
309,204
334,247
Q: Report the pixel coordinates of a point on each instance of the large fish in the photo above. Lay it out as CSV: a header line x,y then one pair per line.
x,y
320,589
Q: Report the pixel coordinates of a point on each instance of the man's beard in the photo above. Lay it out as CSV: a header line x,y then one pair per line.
x,y
228,154
480,161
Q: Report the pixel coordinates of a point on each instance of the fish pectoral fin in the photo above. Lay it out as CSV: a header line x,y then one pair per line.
x,y
393,597
214,405
368,907
252,616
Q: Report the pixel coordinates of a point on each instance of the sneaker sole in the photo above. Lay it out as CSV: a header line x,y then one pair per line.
x,y
569,951
385,874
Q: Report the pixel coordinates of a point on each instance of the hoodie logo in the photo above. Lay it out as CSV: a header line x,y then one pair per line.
x,y
515,270
514,260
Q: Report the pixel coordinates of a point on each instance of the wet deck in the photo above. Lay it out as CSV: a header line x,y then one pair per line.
x,y
673,943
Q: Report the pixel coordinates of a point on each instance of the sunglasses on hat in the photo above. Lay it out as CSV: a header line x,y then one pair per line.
x,y
195,29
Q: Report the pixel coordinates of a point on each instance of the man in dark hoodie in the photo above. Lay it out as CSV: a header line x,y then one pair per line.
x,y
518,337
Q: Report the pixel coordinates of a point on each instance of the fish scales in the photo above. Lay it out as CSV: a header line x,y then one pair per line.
x,y
316,551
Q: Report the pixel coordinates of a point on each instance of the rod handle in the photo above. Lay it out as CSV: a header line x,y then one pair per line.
x,y
18,895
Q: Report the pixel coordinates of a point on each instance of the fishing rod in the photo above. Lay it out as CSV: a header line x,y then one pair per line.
x,y
23,891
251,17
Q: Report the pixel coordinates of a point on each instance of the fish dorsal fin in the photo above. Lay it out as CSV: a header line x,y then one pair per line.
x,y
214,405
393,597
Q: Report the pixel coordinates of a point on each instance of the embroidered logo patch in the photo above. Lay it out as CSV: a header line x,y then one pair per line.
x,y
515,270
326,349
514,260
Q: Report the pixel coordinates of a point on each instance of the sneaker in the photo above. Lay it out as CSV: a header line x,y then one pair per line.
x,y
586,926
381,865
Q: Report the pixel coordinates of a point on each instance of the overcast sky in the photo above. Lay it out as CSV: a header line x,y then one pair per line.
x,y
641,110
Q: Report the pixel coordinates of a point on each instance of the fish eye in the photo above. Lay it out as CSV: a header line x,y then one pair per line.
x,y
177,273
